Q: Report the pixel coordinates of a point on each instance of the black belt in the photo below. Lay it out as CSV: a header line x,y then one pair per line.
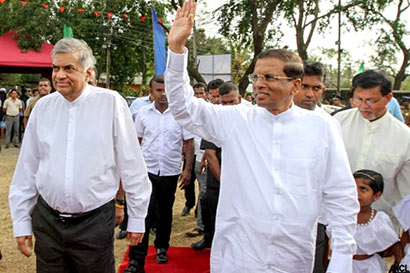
x,y
65,217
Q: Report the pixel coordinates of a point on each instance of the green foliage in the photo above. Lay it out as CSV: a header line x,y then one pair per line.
x,y
349,68
129,37
238,22
19,79
392,37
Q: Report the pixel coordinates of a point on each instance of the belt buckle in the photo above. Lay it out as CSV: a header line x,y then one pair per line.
x,y
64,217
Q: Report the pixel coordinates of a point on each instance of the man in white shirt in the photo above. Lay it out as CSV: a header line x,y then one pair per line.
x,y
280,164
308,97
11,108
69,168
161,141
375,139
138,103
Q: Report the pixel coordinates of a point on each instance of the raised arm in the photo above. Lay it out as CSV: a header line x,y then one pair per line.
x,y
182,27
195,115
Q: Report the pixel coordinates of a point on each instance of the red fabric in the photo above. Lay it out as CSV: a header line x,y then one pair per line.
x,y
11,55
180,260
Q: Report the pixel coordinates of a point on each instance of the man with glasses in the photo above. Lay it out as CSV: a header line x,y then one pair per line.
x,y
375,139
280,164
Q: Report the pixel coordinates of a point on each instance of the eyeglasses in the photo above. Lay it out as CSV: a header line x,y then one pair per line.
x,y
267,77
358,101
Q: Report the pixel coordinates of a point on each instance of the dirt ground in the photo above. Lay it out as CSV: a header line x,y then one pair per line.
x,y
14,262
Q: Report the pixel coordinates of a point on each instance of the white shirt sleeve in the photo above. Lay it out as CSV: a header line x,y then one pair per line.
x,y
133,172
196,115
341,203
139,126
23,192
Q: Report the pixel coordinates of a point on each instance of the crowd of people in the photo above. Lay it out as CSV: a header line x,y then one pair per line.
x,y
286,185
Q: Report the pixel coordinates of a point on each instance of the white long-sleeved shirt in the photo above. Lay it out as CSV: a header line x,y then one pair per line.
x,y
137,104
162,140
73,155
277,172
383,146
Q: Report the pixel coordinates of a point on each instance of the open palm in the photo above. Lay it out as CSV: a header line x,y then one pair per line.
x,y
182,27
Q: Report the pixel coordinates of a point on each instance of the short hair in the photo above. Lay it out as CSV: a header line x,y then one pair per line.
x,y
314,69
228,87
157,79
370,79
78,47
376,179
45,80
215,84
293,63
13,90
199,85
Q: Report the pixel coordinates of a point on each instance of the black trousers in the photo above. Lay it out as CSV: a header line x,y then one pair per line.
x,y
124,223
208,209
190,189
159,214
79,245
321,241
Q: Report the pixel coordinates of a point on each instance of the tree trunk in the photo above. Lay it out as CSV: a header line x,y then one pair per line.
x,y
194,73
401,75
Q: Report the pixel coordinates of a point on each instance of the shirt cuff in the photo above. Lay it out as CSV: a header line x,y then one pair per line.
x,y
340,263
22,229
177,62
136,225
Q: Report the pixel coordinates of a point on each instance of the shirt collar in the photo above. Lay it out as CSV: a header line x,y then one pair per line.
x,y
153,108
82,97
377,122
285,115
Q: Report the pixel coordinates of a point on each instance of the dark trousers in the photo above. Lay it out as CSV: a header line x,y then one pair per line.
x,y
321,242
12,126
159,213
124,223
190,190
208,208
79,245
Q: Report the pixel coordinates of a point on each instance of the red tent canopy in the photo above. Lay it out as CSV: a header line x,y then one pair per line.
x,y
13,60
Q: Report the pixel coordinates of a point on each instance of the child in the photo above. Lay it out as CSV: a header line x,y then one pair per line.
x,y
375,232
402,213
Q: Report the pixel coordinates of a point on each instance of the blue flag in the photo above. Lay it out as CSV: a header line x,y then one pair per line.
x,y
159,45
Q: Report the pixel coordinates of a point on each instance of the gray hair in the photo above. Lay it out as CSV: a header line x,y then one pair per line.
x,y
79,47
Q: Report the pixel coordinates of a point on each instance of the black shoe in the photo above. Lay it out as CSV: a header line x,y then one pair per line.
x,y
1,256
135,267
162,257
16,145
185,211
121,235
7,146
201,245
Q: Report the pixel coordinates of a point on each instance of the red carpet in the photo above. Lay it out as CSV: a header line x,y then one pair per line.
x,y
180,260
